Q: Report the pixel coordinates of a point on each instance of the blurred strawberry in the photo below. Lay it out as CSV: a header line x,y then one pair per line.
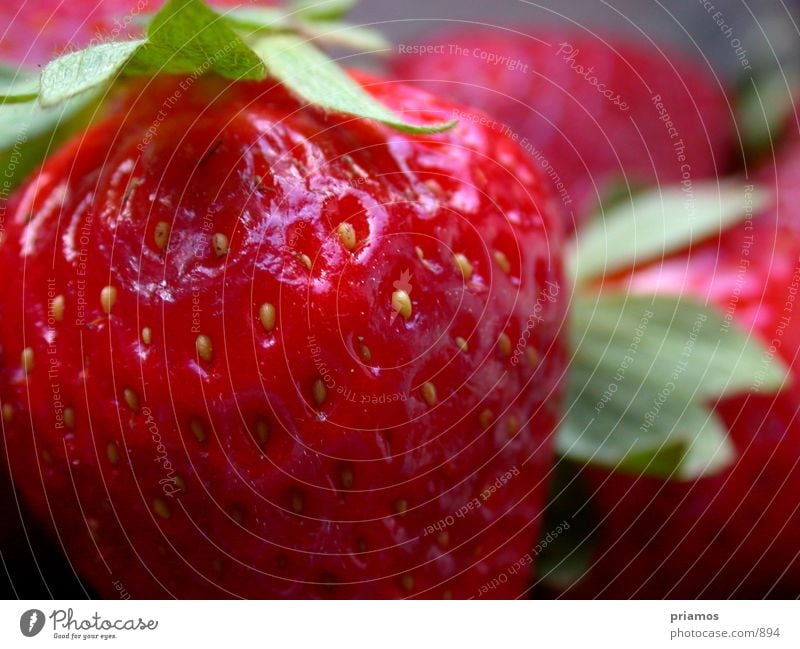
x,y
598,115
733,534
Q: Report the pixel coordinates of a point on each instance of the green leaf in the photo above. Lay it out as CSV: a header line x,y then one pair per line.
x,y
322,9
765,107
77,72
346,35
645,370
187,37
29,132
17,85
657,222
312,76
258,19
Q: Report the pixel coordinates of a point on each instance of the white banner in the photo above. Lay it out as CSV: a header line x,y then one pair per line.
x,y
400,624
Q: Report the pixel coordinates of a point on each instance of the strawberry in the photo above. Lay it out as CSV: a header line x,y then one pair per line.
x,y
256,348
733,534
36,30
597,114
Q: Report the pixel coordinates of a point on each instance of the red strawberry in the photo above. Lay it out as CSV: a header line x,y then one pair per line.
x,y
734,534
252,348
36,30
594,113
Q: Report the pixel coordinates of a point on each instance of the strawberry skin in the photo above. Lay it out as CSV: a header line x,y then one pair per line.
x,y
595,113
242,324
733,534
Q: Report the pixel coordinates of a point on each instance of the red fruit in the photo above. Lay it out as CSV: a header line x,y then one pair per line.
x,y
734,534
34,31
595,114
189,441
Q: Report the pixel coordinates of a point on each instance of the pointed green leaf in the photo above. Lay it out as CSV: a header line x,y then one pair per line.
x,y
322,9
312,76
645,370
17,85
352,37
657,222
77,72
187,37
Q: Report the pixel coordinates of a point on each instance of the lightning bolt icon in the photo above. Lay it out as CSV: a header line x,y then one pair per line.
x,y
32,621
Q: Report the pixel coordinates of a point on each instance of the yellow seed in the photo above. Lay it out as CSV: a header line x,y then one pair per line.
x,y
408,582
401,303
198,430
220,244
462,344
366,354
429,393
305,260
161,234
462,264
443,539
69,418
147,335
47,457
131,399
8,412
421,257
533,356
320,392
512,426
448,594
27,360
485,418
401,506
347,235
204,348
161,508
262,431
237,516
267,316
504,344
347,478
298,503
180,484
216,564
502,261
112,453
108,297
58,308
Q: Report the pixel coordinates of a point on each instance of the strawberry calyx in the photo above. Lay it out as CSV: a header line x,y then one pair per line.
x,y
647,368
188,37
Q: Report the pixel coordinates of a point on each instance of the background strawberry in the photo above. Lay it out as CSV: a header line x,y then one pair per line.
x,y
733,534
256,349
596,113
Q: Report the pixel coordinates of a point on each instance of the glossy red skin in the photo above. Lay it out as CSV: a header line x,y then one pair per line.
x,y
278,519
33,32
734,534
593,144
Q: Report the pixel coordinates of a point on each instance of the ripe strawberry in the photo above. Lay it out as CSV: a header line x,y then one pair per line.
x,y
733,534
596,114
253,348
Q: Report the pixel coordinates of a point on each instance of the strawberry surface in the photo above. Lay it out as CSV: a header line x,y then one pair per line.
x,y
733,534
254,349
596,114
